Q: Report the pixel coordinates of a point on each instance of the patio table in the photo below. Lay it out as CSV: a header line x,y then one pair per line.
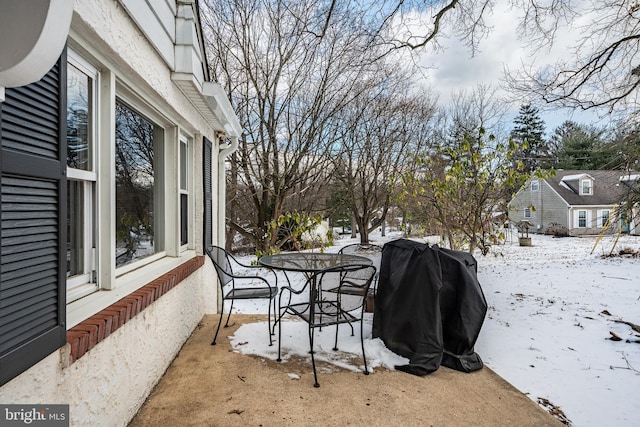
x,y
311,263
314,264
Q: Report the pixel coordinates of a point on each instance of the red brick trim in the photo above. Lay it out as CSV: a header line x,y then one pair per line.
x,y
85,335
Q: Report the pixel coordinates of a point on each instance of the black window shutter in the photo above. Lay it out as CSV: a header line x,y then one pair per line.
x,y
208,191
33,216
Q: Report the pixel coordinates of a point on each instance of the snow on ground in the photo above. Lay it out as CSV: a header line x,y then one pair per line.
x,y
551,310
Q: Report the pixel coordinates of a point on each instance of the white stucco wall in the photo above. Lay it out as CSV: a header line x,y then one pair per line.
x,y
105,30
107,385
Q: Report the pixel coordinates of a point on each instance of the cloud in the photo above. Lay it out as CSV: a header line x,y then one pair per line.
x,y
452,69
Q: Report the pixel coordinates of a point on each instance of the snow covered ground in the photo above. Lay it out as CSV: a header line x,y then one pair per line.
x,y
552,309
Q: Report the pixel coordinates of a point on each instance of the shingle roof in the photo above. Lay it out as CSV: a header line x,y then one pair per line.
x,y
607,187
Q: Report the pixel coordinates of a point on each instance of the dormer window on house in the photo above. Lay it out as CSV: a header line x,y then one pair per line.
x,y
585,187
535,185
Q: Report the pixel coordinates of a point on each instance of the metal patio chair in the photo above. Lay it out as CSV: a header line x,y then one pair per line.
x,y
371,251
232,285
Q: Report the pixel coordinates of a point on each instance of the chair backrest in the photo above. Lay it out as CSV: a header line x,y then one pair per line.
x,y
359,277
353,284
367,250
221,262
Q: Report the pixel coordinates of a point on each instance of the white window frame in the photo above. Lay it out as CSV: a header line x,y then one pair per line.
x,y
185,184
111,282
83,284
527,213
135,103
579,218
535,185
603,216
589,187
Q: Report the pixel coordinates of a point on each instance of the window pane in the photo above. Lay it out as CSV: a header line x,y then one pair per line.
x,y
78,119
75,228
183,165
137,144
184,191
184,219
582,218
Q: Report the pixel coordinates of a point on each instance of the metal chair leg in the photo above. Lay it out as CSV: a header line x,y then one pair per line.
x,y
313,359
215,337
226,325
364,358
269,324
279,359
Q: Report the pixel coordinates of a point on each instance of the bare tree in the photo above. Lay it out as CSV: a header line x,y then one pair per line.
x,y
416,24
603,67
388,124
289,67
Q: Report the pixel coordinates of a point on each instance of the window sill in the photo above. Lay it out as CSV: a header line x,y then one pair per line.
x,y
92,330
84,308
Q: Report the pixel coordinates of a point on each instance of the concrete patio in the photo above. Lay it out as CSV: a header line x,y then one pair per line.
x,y
216,386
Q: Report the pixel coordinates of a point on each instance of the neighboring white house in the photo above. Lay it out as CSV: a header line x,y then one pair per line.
x,y
113,143
577,201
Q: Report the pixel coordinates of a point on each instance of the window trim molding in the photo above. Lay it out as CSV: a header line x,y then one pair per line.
x,y
84,308
600,218
582,182
184,138
586,218
114,85
537,185
85,284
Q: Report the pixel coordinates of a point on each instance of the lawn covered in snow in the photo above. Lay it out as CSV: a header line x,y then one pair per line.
x,y
552,311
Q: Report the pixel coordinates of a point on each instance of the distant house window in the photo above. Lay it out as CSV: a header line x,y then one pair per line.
x,y
586,186
527,212
535,185
582,219
604,217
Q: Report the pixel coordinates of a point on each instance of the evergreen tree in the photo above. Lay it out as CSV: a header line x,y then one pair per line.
x,y
339,208
625,146
580,146
528,133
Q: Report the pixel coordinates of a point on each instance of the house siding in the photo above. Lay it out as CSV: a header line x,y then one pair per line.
x,y
559,200
548,209
106,376
157,22
593,223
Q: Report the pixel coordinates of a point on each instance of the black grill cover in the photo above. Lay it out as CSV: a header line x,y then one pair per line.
x,y
429,306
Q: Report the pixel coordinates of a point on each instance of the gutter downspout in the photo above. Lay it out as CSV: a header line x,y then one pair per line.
x,y
224,151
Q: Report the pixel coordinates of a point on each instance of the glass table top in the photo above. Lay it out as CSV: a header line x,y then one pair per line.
x,y
312,261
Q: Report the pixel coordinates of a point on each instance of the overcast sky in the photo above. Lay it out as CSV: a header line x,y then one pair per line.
x,y
454,69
